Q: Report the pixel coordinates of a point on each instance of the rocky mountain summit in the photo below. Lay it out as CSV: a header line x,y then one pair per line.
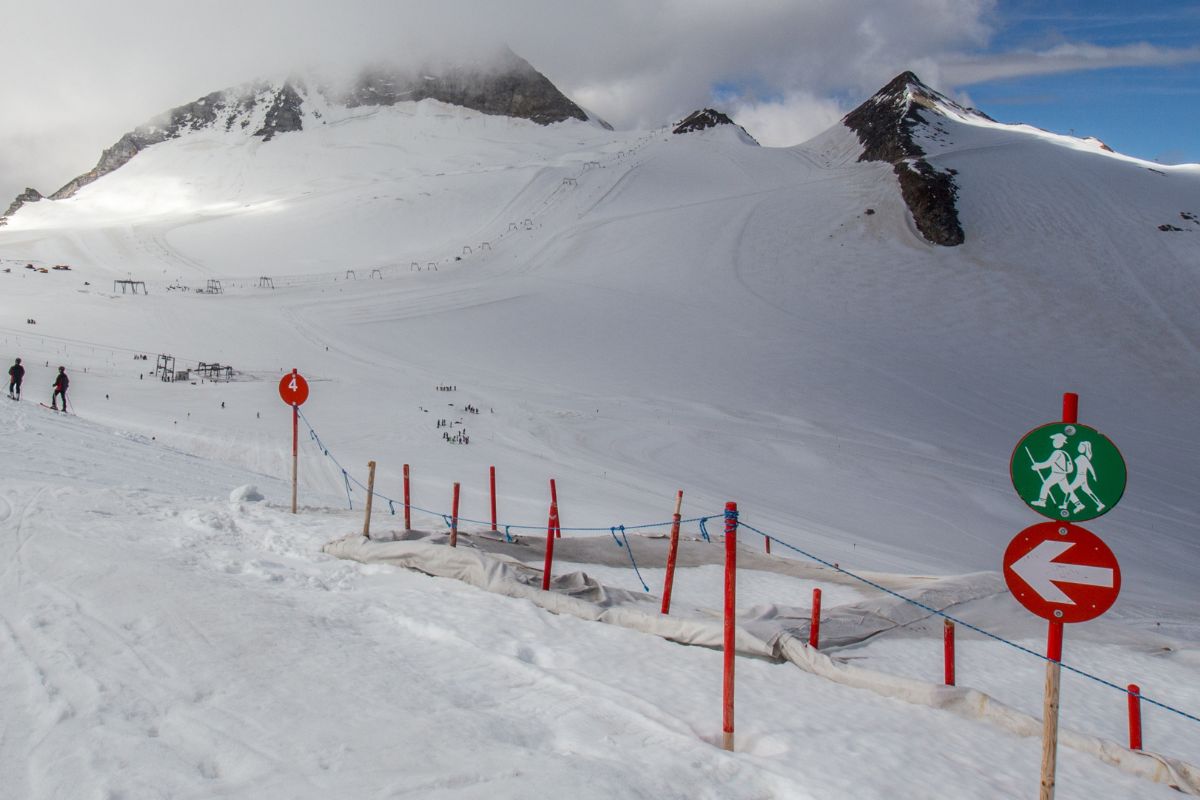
x,y
504,84
706,118
888,126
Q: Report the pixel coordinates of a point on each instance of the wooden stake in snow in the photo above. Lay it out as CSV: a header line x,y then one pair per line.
x,y
492,483
671,554
407,515
370,497
454,517
1050,710
948,651
814,628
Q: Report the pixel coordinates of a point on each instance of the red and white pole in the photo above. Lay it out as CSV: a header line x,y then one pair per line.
x,y
454,517
551,527
1135,717
407,506
672,552
814,628
948,655
731,517
492,482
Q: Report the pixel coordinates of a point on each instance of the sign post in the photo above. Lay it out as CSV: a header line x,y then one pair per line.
x,y
1058,570
294,391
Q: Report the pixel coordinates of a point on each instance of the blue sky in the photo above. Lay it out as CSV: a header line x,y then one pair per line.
x,y
1151,111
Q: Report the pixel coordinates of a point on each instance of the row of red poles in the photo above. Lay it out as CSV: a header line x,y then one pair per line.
x,y
554,531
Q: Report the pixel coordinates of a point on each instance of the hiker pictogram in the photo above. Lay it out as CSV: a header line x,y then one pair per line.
x,y
1068,472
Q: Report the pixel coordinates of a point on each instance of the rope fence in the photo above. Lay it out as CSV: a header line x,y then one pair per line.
x,y
702,521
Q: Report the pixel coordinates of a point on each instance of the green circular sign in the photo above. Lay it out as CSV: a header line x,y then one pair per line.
x,y
1067,471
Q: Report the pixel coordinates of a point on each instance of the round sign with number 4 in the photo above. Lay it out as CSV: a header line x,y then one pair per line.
x,y
293,388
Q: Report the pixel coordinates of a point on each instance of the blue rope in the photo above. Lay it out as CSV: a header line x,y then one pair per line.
x,y
628,549
975,628
507,536
704,529
346,477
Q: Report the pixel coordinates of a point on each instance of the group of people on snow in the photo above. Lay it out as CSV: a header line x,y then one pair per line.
x,y
16,375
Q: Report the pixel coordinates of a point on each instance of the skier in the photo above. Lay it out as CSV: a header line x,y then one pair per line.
x,y
16,373
61,382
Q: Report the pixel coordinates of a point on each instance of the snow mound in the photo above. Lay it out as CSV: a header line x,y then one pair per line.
x,y
247,493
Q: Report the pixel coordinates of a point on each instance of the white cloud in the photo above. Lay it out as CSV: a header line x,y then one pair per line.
x,y
1062,58
795,118
82,73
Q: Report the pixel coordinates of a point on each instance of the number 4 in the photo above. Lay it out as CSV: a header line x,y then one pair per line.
x,y
292,385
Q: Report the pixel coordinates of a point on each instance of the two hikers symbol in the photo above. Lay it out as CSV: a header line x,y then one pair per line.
x,y
1068,475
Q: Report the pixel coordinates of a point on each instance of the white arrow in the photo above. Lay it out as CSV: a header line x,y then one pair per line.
x,y
1039,569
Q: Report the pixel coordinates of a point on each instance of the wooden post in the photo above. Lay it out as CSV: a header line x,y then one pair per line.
x,y
671,554
1050,711
370,497
492,481
1135,717
407,515
454,518
948,655
729,643
814,628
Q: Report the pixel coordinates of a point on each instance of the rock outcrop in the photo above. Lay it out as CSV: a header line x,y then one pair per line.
x,y
706,118
886,125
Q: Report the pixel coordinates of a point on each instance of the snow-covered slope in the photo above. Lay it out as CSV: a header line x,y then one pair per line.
x,y
634,313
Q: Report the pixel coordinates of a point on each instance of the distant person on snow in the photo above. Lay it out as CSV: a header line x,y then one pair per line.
x,y
16,373
61,382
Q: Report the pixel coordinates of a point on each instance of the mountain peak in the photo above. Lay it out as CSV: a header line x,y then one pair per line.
x,y
705,118
887,125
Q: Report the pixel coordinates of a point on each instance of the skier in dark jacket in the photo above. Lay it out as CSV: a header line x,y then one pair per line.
x,y
16,373
61,382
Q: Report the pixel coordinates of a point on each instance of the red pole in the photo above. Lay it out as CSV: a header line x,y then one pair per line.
x,y
295,449
407,515
671,553
1135,717
767,544
814,630
554,503
492,481
1054,641
948,640
1070,407
454,518
731,516
551,527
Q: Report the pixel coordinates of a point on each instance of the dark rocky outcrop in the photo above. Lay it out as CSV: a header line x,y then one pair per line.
x,y
706,118
27,196
885,125
284,115
506,86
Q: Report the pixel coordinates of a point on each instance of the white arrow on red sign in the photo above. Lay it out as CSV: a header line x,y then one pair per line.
x,y
1039,569
1082,586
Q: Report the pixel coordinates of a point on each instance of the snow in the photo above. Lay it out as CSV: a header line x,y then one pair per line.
x,y
693,313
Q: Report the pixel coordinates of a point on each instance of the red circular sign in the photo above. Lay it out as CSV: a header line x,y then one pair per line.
x,y
1062,572
293,388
